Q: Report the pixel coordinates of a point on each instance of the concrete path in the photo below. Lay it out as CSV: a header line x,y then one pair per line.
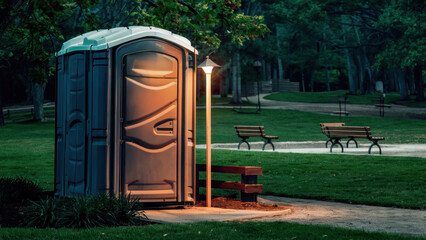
x,y
397,111
407,150
201,214
363,217
369,218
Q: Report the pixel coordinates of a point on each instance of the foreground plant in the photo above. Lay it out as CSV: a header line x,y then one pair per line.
x,y
84,212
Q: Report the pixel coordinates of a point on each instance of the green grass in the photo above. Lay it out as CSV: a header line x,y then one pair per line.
x,y
372,180
292,125
27,150
204,230
218,100
331,97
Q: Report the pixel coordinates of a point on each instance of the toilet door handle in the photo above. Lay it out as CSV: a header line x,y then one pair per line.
x,y
164,127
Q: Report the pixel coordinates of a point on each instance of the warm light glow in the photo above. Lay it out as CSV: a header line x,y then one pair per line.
x,y
207,70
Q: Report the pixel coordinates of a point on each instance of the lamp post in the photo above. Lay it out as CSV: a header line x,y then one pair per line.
x,y
257,65
208,66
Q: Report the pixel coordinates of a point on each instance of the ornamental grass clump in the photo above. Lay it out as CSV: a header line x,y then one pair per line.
x,y
84,212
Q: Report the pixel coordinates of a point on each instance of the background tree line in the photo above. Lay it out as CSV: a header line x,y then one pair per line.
x,y
323,45
332,44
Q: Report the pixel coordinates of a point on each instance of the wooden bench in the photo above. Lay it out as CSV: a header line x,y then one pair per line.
x,y
323,125
248,185
245,132
335,133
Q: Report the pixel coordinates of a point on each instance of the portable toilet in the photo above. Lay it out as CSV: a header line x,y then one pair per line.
x,y
125,115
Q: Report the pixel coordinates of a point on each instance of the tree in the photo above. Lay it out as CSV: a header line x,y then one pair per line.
x,y
405,23
39,26
208,24
8,9
32,26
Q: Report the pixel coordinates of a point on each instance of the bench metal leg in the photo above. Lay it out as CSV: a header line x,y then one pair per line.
x,y
244,141
375,143
352,139
326,143
336,142
268,142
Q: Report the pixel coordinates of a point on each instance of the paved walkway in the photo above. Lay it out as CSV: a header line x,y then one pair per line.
x,y
369,218
398,111
406,150
363,217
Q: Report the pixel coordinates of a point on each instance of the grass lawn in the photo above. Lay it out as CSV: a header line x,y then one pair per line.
x,y
330,97
292,125
372,180
205,230
218,100
27,149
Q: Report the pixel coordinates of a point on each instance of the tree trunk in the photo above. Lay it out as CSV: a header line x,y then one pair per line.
x,y
352,85
234,79
38,97
228,81
275,81
1,105
369,71
303,82
268,71
312,81
327,80
224,84
236,86
364,66
361,75
280,69
403,90
239,83
411,82
418,79
264,78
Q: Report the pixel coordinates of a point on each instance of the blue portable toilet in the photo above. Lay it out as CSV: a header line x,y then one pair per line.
x,y
125,115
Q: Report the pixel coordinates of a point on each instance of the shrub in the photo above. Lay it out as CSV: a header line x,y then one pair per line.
x,y
43,213
83,212
18,190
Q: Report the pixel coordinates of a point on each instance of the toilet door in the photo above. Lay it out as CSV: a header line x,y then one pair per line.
x,y
150,123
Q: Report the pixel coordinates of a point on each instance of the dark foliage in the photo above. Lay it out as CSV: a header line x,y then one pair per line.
x,y
17,190
84,212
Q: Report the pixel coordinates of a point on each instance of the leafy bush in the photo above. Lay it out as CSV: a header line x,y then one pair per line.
x,y
83,212
18,190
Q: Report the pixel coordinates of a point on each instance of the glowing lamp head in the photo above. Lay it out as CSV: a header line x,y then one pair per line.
x,y
208,65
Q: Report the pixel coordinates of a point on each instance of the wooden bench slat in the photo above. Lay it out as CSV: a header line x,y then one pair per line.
x,y
249,127
245,170
347,128
245,188
250,132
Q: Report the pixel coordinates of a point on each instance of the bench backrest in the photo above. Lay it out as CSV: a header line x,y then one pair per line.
x,y
348,131
323,125
250,131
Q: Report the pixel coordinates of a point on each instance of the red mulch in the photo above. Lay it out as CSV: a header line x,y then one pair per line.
x,y
222,202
